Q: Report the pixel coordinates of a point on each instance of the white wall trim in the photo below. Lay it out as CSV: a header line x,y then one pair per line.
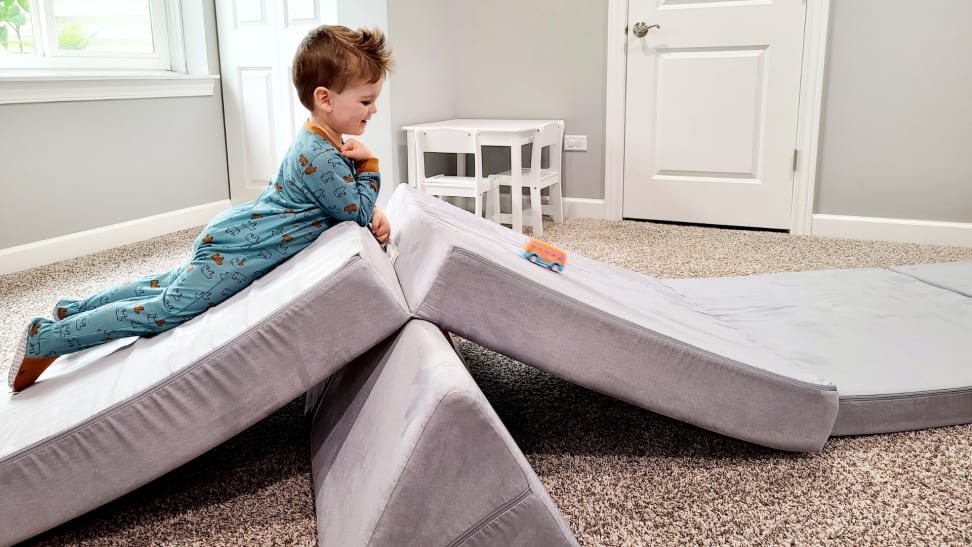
x,y
48,251
811,111
955,234
614,92
586,208
49,88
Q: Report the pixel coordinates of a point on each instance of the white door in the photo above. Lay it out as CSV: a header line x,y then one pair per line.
x,y
711,110
257,40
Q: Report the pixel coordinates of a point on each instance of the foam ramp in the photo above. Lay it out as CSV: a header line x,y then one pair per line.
x,y
102,422
617,332
783,360
896,342
407,451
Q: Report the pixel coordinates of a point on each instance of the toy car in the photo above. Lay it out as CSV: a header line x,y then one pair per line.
x,y
543,254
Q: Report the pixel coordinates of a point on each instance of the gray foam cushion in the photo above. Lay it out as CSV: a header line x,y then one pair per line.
x,y
102,422
618,332
407,451
896,344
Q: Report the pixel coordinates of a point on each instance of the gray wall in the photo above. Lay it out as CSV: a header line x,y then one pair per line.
x,y
897,127
424,88
896,131
504,59
73,166
539,59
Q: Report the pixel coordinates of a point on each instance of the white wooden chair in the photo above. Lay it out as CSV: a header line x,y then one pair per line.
x,y
536,178
456,141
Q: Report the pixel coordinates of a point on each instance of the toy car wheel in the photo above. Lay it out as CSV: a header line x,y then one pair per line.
x,y
556,267
534,258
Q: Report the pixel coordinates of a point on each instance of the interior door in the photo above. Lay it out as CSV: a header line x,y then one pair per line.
x,y
712,101
257,40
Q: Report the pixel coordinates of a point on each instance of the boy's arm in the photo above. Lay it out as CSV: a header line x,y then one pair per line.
x,y
343,194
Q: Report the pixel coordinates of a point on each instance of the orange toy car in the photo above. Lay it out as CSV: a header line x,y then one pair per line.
x,y
544,254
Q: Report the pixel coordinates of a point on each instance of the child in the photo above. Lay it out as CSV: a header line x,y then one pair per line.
x,y
323,180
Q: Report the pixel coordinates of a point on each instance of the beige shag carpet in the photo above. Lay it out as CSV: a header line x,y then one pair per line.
x,y
619,474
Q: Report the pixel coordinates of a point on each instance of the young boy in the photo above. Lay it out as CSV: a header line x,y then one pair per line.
x,y
323,180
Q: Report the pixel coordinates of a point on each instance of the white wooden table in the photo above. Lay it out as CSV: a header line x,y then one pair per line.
x,y
508,133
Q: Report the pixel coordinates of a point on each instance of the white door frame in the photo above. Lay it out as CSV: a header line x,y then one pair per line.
x,y
808,125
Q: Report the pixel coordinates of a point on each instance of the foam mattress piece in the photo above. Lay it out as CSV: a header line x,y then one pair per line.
x,y
406,450
617,332
102,422
897,346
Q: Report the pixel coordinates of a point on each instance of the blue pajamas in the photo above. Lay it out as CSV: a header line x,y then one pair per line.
x,y
314,189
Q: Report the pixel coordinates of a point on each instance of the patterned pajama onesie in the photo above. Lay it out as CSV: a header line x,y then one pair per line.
x,y
315,188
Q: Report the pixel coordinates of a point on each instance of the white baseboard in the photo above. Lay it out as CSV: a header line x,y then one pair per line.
x,y
955,234
584,208
48,251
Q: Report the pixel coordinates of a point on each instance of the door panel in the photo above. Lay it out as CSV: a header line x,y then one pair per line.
x,y
257,40
712,104
709,110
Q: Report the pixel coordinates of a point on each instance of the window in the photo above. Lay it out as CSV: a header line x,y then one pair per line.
x,y
84,34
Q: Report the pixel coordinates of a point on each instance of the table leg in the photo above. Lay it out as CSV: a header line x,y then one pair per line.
x,y
412,162
516,188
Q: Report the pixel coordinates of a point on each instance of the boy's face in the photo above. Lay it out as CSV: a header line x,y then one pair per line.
x,y
352,108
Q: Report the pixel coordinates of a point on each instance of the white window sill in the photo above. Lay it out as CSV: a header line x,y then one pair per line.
x,y
18,87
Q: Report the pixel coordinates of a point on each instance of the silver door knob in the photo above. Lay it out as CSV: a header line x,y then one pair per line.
x,y
641,28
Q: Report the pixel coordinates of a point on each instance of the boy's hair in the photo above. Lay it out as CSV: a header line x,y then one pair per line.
x,y
334,56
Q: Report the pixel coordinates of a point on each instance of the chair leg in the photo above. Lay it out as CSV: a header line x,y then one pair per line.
x,y
493,200
536,208
479,205
557,203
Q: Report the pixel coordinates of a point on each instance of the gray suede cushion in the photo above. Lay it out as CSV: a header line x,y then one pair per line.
x,y
623,334
407,451
102,422
897,345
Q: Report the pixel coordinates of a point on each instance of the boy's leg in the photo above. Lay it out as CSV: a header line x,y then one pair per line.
x,y
201,285
147,286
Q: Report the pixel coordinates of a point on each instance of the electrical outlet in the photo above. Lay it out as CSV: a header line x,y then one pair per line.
x,y
577,143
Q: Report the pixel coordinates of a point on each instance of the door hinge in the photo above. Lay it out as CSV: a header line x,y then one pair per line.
x,y
794,159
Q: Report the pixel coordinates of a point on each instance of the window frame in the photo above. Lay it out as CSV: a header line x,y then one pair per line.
x,y
190,72
47,57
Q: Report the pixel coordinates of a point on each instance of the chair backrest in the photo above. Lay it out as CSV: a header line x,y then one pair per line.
x,y
449,141
552,135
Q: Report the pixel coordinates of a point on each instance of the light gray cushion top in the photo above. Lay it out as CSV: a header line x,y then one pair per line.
x,y
870,331
620,333
101,422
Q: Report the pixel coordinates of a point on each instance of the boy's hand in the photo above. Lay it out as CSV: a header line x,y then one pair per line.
x,y
354,150
379,226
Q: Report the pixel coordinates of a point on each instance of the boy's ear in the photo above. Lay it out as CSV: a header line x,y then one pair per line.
x,y
322,98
